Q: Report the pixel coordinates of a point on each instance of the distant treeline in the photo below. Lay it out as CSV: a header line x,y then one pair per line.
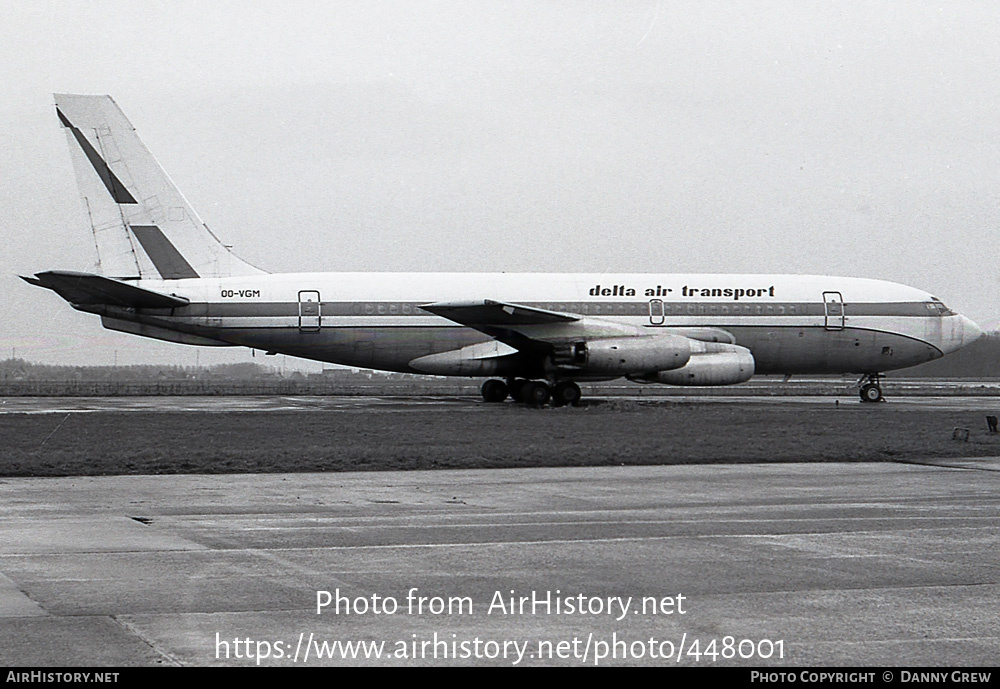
x,y
19,369
20,378
980,360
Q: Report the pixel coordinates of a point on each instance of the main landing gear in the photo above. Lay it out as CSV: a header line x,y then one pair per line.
x,y
872,390
494,391
534,393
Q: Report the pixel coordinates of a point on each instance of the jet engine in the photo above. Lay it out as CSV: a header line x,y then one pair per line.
x,y
622,356
712,364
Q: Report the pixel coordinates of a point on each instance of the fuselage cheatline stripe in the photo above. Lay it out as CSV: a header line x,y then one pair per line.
x,y
374,309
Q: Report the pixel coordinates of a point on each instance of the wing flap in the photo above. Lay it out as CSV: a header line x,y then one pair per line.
x,y
88,289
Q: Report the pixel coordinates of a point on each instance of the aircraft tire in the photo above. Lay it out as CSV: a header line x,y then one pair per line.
x,y
871,393
494,391
535,394
566,393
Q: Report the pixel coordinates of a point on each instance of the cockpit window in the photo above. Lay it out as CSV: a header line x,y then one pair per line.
x,y
935,305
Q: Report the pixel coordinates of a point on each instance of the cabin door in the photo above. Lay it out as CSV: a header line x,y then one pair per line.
x,y
656,312
833,309
310,311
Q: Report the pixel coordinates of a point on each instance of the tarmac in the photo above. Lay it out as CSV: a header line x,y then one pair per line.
x,y
443,403
880,564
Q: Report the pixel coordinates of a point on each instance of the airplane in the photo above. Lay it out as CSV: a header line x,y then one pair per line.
x,y
164,274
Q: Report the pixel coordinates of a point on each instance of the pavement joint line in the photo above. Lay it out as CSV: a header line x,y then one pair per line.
x,y
620,522
867,642
20,589
621,539
216,549
271,556
320,516
137,634
940,464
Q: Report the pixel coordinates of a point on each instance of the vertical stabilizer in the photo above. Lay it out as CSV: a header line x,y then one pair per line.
x,y
143,226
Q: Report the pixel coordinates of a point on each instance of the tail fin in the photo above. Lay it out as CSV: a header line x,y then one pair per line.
x,y
143,226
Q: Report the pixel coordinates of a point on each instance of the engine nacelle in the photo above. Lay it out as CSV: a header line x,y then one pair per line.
x,y
721,364
482,359
623,356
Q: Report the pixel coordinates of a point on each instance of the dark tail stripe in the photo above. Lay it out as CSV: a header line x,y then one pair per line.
x,y
164,255
117,190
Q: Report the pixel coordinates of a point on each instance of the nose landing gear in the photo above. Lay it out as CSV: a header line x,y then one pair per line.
x,y
872,390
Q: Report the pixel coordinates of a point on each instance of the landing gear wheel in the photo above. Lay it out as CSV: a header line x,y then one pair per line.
x,y
516,388
494,391
566,393
535,394
871,393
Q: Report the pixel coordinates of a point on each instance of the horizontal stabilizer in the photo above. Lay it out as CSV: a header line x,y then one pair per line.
x,y
496,313
145,330
88,289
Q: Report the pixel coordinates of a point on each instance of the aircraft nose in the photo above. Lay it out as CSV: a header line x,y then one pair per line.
x,y
970,331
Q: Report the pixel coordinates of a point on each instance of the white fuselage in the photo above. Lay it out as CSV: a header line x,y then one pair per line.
x,y
791,323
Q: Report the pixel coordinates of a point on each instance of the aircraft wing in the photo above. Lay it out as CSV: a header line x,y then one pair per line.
x,y
496,313
579,345
530,328
90,289
497,318
521,327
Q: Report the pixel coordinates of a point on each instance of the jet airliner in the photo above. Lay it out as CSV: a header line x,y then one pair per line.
x,y
163,274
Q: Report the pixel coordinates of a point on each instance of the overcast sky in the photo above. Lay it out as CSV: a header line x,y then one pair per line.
x,y
844,138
